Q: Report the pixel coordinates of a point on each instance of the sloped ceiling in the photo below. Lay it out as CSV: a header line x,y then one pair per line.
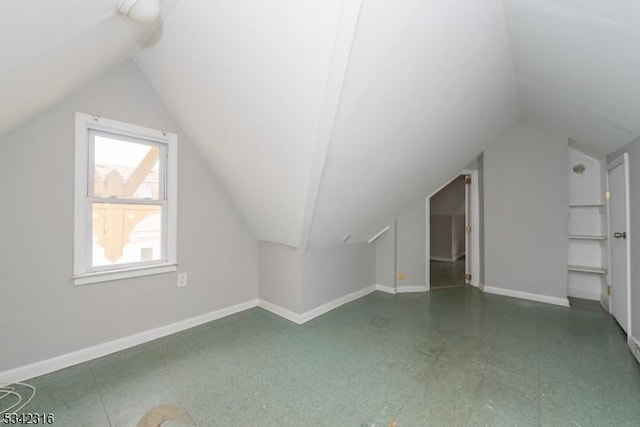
x,y
327,118
578,67
50,48
429,85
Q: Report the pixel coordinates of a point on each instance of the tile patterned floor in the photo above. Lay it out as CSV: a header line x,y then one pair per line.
x,y
446,274
451,357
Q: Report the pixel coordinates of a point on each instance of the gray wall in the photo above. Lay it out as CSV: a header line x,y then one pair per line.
x,y
385,247
333,272
280,280
446,210
411,248
43,314
634,234
525,211
450,199
441,236
457,236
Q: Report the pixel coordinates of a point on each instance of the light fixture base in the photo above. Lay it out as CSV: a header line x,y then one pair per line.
x,y
141,11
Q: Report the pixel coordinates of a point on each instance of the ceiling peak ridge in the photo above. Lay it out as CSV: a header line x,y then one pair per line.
x,y
556,93
345,35
576,14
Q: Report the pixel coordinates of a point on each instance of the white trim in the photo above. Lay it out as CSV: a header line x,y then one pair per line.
x,y
324,308
475,228
82,274
342,45
578,293
634,345
622,160
564,302
378,234
318,311
442,259
627,203
90,353
616,162
414,288
105,276
386,289
280,311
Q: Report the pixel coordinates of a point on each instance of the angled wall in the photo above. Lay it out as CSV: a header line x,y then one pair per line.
x,y
525,214
44,314
280,276
386,258
329,274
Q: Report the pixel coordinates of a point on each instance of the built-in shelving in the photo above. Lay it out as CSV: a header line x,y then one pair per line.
x,y
586,237
587,269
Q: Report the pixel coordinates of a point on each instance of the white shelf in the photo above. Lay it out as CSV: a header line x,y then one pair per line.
x,y
587,269
587,205
586,237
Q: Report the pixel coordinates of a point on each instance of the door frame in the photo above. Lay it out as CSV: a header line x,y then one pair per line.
x,y
622,160
475,227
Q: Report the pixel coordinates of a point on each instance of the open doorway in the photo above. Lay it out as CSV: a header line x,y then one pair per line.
x,y
448,222
459,198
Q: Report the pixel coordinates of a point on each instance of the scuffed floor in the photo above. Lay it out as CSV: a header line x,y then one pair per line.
x,y
451,357
446,274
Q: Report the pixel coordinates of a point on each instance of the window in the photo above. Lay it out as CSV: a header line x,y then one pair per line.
x,y
125,200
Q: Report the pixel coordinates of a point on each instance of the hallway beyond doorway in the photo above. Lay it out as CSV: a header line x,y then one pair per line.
x,y
447,274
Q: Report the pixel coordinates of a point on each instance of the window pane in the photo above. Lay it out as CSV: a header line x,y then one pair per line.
x,y
124,234
125,169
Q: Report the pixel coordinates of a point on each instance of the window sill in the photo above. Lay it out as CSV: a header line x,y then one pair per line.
x,y
126,273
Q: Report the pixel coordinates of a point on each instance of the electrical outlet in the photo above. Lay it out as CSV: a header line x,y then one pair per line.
x,y
182,280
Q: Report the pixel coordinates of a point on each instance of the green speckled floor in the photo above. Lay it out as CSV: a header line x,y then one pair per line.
x,y
446,274
451,357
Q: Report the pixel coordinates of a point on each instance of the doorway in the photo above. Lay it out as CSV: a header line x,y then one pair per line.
x,y
619,243
449,222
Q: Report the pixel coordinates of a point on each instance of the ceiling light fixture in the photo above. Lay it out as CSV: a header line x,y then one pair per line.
x,y
141,11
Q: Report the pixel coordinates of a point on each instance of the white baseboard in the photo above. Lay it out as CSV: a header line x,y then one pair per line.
x,y
442,259
564,302
66,360
579,293
387,289
281,311
408,289
634,345
318,311
324,308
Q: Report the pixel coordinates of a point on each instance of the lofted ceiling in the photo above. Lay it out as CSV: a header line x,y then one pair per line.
x,y
50,49
331,118
577,64
328,118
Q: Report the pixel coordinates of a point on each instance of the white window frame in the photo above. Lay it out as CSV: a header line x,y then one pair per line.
x,y
83,272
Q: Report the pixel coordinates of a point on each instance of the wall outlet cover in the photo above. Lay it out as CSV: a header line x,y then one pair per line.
x,y
182,280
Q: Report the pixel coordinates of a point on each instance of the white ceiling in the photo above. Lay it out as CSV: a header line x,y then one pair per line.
x,y
578,67
327,118
428,88
49,49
